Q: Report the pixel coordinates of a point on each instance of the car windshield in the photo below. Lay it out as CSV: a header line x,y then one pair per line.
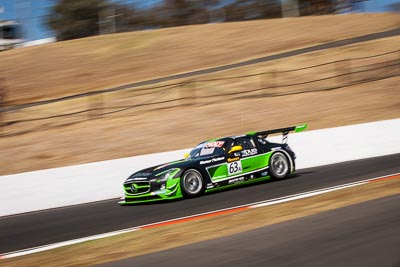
x,y
208,149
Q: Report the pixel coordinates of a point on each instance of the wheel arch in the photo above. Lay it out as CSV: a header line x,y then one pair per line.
x,y
191,195
202,170
287,155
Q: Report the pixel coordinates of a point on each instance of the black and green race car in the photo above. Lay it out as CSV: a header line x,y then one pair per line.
x,y
213,165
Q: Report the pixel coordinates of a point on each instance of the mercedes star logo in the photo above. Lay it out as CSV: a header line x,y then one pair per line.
x,y
133,188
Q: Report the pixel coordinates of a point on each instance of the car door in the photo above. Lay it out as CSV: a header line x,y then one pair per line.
x,y
247,160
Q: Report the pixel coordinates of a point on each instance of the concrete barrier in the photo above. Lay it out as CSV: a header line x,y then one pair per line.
x,y
51,188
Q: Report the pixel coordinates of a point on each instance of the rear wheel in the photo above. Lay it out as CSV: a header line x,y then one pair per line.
x,y
192,183
279,167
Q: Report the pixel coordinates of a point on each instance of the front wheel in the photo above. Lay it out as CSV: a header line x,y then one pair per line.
x,y
279,166
192,183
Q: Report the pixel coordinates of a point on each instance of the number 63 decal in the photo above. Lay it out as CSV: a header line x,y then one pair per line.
x,y
234,167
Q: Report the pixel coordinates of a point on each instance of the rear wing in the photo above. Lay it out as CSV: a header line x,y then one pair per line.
x,y
284,131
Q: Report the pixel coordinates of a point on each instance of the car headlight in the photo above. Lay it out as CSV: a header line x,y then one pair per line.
x,y
162,177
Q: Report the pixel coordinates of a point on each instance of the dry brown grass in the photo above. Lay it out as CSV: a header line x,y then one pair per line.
x,y
83,65
85,138
161,238
62,141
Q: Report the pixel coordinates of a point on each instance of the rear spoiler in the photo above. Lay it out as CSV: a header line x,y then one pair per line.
x,y
284,131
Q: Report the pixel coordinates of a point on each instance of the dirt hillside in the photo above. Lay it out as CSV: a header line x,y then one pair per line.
x,y
340,86
70,67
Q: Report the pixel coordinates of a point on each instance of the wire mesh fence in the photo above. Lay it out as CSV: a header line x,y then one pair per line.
x,y
130,101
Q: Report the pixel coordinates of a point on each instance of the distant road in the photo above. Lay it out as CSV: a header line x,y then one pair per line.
x,y
354,40
365,234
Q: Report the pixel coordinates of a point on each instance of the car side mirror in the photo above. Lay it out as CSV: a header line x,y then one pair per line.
x,y
235,149
186,155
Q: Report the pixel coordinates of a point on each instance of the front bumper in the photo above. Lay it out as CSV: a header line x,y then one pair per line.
x,y
148,191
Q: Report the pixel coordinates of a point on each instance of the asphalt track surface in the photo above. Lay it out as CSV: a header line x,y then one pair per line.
x,y
46,227
366,234
334,44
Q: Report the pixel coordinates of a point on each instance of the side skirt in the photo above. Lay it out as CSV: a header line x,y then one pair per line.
x,y
236,181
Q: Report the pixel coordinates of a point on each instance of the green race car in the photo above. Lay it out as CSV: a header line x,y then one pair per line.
x,y
215,164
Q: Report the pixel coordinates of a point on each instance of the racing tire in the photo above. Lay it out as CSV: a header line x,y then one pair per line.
x,y
279,166
192,183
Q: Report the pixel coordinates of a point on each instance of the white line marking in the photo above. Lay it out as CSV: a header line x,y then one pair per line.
x,y
250,205
301,196
64,243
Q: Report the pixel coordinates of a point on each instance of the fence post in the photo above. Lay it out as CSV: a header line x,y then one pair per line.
x,y
3,95
192,92
95,106
187,91
100,105
343,70
182,93
272,83
349,69
263,82
90,112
